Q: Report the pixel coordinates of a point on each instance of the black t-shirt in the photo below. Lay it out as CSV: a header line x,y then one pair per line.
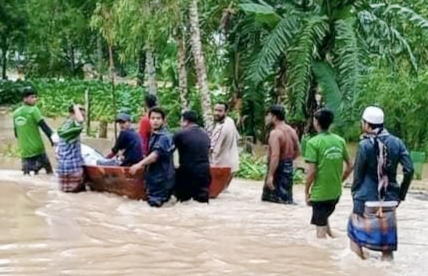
x,y
193,144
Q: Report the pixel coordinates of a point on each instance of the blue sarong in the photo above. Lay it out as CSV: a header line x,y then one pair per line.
x,y
374,232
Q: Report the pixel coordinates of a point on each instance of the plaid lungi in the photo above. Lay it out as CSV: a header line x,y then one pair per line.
x,y
71,182
36,163
377,233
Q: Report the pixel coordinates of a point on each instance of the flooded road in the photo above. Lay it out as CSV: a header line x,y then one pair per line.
x,y
46,232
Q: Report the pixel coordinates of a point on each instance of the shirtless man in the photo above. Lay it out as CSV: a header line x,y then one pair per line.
x,y
283,149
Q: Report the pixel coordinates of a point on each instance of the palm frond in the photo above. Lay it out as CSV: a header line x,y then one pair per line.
x,y
346,59
300,58
406,12
326,79
275,44
382,36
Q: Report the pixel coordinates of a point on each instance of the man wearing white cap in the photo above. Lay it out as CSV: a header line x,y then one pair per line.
x,y
375,190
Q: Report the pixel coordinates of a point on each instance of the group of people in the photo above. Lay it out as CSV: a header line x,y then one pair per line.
x,y
151,149
375,189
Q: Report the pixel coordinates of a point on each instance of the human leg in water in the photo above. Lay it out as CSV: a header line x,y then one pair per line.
x,y
357,249
387,256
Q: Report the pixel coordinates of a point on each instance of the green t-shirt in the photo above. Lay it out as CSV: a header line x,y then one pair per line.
x,y
26,121
328,151
70,131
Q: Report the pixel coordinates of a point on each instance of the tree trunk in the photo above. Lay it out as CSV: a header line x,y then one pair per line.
x,y
111,61
182,71
4,63
200,67
100,56
151,71
102,131
281,81
141,68
311,107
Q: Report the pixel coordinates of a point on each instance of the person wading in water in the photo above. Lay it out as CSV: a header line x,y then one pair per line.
x,y
159,171
193,177
26,122
375,190
325,154
283,149
224,140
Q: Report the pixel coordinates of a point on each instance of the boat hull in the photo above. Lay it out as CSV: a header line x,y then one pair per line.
x,y
118,180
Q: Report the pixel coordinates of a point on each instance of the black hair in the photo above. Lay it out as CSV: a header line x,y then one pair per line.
x,y
190,116
157,110
226,106
71,109
278,111
28,91
150,101
324,117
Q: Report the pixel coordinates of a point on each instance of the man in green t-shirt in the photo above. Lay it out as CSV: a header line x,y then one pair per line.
x,y
26,121
325,154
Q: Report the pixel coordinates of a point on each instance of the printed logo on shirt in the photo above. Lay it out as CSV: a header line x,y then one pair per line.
x,y
333,153
20,121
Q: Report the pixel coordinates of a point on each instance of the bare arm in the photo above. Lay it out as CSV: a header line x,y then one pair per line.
x,y
310,177
150,159
274,152
296,145
348,169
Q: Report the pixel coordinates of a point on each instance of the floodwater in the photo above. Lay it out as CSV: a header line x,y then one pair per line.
x,y
46,232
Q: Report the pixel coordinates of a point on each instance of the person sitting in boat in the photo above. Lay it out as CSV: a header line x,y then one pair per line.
x,y
69,155
159,174
193,177
129,142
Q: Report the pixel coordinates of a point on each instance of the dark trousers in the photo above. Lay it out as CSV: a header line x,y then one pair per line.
x,y
158,192
193,183
283,182
36,163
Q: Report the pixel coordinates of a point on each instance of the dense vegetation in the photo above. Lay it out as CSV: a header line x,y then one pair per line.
x,y
251,53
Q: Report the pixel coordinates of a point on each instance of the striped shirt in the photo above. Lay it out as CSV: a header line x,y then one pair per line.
x,y
69,154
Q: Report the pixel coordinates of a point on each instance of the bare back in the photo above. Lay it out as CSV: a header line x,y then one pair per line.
x,y
288,142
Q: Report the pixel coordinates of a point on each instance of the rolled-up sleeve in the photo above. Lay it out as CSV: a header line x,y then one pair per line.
x,y
163,146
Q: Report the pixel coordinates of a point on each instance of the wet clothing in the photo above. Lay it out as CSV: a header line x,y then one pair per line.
x,y
374,232
193,177
328,151
365,185
322,210
375,184
36,163
224,145
160,175
144,131
26,121
70,160
283,183
130,142
72,182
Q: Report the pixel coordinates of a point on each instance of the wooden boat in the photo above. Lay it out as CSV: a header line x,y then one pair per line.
x,y
118,180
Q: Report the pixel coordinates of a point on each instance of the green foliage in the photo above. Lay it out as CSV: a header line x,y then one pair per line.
x,y
255,168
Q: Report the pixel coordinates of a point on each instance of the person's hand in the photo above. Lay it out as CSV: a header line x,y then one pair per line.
x,y
269,183
55,138
134,168
308,199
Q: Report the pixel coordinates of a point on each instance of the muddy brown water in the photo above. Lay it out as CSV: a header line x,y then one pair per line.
x,y
46,232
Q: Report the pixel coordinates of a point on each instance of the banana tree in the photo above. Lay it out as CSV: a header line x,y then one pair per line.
x,y
325,46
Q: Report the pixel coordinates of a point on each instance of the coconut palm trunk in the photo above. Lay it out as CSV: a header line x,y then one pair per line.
x,y
182,71
200,66
151,71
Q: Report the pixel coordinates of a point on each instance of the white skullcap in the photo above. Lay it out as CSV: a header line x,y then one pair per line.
x,y
373,115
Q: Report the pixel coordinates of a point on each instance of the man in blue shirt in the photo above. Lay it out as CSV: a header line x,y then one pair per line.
x,y
128,141
159,172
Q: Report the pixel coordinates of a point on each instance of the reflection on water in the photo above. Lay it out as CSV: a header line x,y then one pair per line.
x,y
46,232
